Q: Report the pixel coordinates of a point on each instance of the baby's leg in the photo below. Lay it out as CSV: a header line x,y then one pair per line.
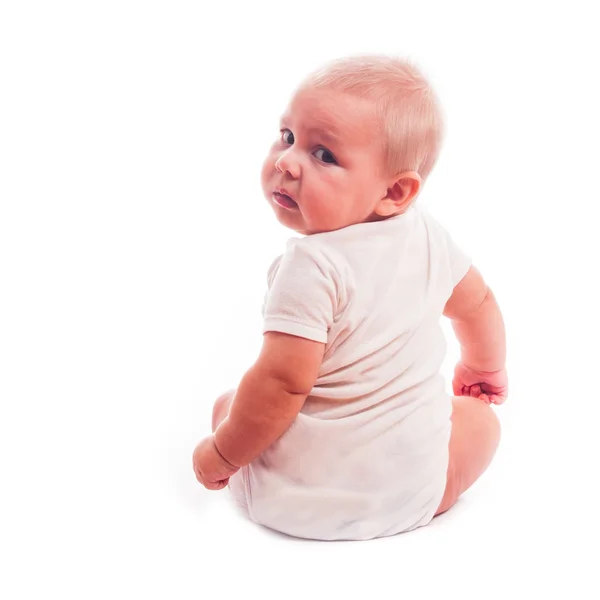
x,y
221,408
473,443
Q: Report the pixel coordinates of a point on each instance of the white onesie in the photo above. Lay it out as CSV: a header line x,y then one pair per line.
x,y
367,456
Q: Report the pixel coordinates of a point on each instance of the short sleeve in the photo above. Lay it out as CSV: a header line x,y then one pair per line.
x,y
303,292
270,277
460,262
456,260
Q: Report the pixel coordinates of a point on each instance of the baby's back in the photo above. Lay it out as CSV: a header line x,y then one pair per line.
x,y
367,455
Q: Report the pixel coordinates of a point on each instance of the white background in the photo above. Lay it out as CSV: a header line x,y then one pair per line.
x,y
134,245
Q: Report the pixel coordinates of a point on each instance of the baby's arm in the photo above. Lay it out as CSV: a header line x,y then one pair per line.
x,y
479,327
269,396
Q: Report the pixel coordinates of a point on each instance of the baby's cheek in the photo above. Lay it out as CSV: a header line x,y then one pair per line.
x,y
331,179
326,216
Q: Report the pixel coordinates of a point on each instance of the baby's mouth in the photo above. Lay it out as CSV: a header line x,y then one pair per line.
x,y
284,200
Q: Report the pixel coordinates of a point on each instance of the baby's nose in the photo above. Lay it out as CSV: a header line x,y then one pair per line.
x,y
289,163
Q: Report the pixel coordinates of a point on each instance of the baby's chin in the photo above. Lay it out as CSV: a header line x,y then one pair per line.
x,y
292,218
288,222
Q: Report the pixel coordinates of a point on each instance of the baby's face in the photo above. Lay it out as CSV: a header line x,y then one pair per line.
x,y
325,171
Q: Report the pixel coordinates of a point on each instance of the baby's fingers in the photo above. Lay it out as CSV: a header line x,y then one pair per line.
x,y
475,391
458,388
462,390
216,485
199,476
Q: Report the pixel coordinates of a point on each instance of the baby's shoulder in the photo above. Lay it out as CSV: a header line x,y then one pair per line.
x,y
307,255
315,249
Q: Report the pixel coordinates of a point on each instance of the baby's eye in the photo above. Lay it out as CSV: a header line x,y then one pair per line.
x,y
326,156
287,136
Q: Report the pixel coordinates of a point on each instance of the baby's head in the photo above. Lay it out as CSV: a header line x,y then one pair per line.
x,y
358,139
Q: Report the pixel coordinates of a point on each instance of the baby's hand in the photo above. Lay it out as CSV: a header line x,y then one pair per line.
x,y
489,387
211,469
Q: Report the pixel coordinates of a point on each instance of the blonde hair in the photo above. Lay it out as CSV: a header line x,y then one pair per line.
x,y
408,110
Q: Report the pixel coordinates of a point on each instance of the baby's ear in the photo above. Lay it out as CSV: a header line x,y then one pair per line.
x,y
400,194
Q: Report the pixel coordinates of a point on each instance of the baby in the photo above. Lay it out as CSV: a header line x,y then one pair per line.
x,y
342,429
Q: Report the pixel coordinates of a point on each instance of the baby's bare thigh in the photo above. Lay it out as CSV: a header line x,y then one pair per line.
x,y
473,443
221,408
